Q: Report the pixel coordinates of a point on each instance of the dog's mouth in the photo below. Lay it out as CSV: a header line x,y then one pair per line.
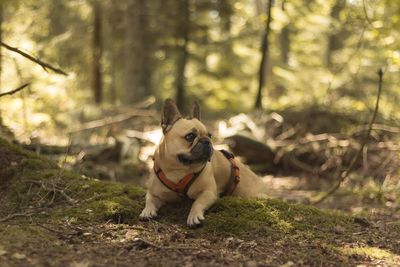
x,y
200,153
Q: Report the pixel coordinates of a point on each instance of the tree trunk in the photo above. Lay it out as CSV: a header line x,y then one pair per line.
x,y
1,40
137,54
56,16
183,39
225,11
285,44
335,40
264,56
284,40
1,57
97,50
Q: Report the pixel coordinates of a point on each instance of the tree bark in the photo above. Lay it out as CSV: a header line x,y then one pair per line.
x,y
97,50
264,56
183,40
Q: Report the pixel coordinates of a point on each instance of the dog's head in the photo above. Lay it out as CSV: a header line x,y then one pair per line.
x,y
186,140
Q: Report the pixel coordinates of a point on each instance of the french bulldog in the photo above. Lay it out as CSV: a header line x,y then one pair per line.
x,y
186,164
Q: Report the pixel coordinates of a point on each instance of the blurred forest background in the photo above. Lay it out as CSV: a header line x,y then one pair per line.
x,y
304,72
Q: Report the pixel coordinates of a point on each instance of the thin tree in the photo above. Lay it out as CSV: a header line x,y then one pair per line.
x,y
97,51
1,38
284,39
336,35
182,33
264,56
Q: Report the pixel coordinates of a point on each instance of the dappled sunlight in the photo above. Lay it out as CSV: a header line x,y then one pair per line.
x,y
373,253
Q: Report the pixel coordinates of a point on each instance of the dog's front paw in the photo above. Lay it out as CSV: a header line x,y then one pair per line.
x,y
148,214
195,219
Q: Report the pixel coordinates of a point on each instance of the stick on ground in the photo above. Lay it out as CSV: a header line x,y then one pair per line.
x,y
346,173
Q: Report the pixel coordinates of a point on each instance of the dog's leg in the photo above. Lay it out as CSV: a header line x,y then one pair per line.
x,y
202,202
153,203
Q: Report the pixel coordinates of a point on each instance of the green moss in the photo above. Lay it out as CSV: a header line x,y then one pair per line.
x,y
118,209
97,201
92,199
17,235
237,216
37,164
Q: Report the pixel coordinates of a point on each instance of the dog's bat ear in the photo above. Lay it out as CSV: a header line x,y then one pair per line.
x,y
195,111
169,114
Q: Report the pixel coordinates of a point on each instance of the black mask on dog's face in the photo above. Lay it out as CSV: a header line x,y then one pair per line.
x,y
200,152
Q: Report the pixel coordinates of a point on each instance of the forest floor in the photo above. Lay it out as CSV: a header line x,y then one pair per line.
x,y
53,217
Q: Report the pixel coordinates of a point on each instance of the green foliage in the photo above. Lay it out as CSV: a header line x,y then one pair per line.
x,y
332,53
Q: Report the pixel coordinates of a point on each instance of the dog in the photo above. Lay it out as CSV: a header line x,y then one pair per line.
x,y
186,165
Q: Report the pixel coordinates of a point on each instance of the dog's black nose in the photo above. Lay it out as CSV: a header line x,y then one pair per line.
x,y
205,141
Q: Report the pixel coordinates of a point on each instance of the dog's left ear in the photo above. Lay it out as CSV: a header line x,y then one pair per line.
x,y
169,115
195,111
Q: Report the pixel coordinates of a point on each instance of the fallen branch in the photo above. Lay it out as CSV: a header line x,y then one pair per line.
x,y
15,90
379,127
141,242
18,214
114,120
44,65
346,173
52,149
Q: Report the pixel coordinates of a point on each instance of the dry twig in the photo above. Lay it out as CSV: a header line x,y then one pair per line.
x,y
12,216
54,189
19,214
346,173
15,90
44,65
151,244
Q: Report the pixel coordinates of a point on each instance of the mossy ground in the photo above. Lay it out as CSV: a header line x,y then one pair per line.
x,y
53,217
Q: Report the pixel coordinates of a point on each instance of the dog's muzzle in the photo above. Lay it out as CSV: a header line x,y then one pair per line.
x,y
200,153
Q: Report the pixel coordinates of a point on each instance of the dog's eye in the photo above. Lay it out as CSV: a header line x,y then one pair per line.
x,y
209,135
190,137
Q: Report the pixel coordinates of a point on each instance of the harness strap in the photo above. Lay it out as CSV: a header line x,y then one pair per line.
x,y
182,187
235,174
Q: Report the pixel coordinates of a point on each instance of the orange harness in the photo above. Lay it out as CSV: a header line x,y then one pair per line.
x,y
182,187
